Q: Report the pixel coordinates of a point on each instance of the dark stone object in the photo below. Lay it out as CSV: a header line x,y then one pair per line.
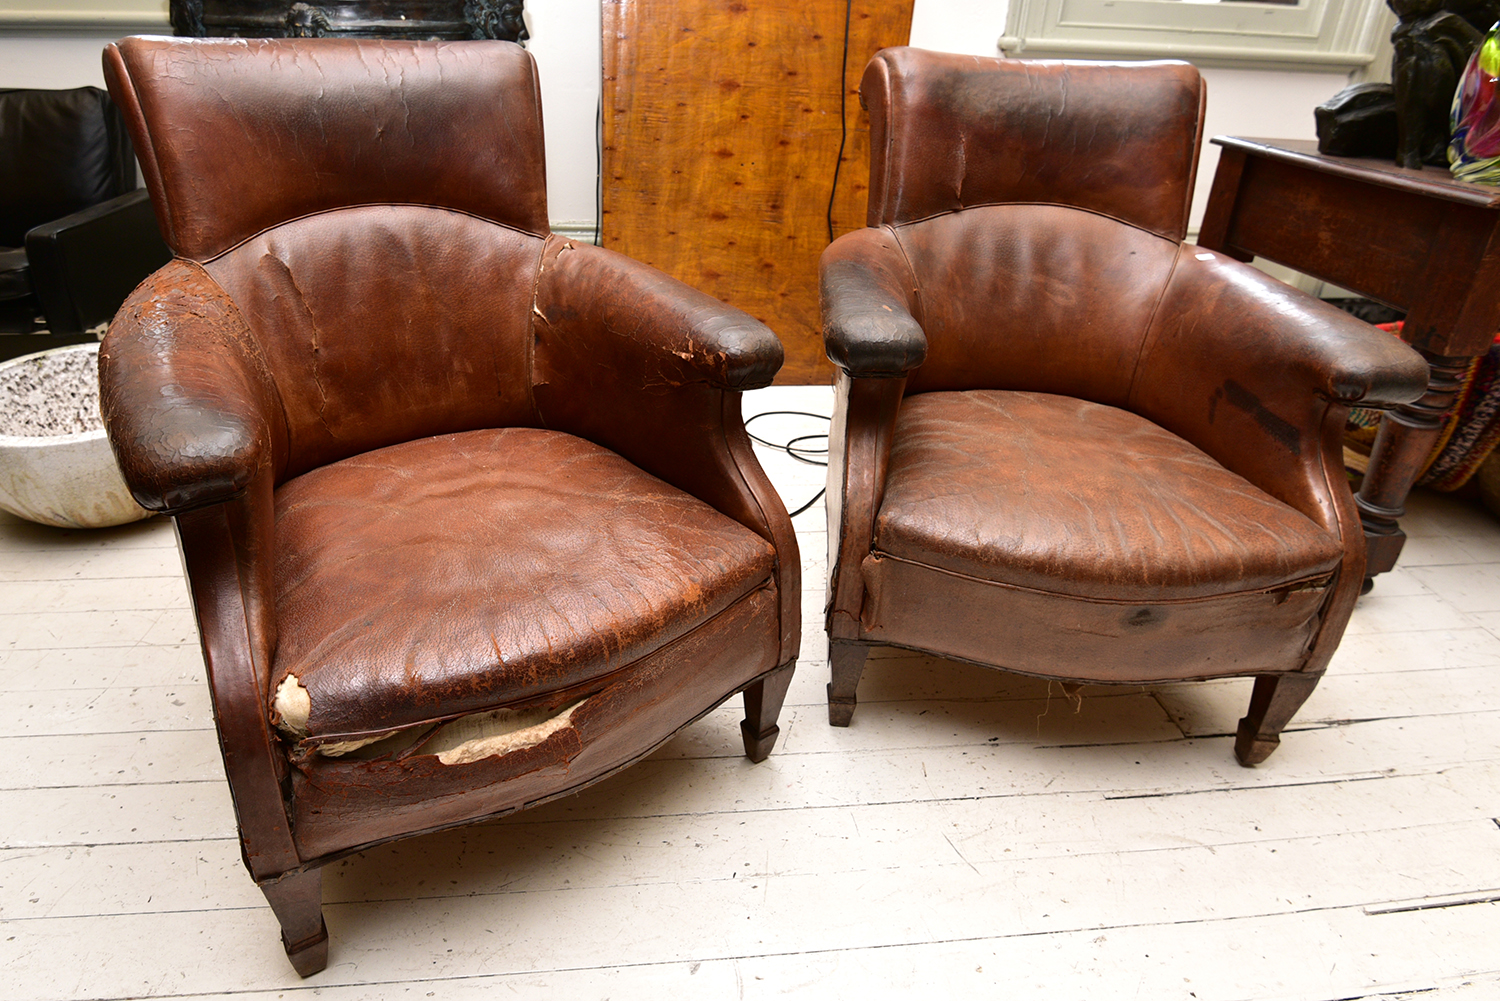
x,y
1433,42
1358,121
420,19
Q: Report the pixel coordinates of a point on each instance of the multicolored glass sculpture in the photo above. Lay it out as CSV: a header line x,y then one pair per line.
x,y
1474,153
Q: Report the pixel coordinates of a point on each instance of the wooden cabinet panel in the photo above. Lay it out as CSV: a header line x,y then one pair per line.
x,y
723,122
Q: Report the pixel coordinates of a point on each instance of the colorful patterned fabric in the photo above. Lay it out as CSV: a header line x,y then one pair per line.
x,y
1470,432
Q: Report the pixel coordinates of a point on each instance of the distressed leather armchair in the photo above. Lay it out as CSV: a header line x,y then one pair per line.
x,y
1066,443
468,513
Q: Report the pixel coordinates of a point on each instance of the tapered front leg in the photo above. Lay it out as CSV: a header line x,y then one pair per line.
x,y
763,701
297,899
846,662
1273,703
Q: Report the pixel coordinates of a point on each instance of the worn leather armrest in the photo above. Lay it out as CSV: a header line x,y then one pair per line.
x,y
656,330
1252,331
191,411
1260,376
867,298
641,364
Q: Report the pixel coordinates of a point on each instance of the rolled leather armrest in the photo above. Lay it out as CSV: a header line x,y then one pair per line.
x,y
1260,375
190,408
655,329
1221,317
651,369
85,264
867,300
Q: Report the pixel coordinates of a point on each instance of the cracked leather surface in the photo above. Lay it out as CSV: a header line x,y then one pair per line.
x,y
1063,495
474,571
1009,130
360,301
381,114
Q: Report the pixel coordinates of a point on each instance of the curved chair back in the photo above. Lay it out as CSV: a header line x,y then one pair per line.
x,y
950,132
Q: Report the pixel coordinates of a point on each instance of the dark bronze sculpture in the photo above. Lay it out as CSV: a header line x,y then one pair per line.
x,y
1433,41
447,19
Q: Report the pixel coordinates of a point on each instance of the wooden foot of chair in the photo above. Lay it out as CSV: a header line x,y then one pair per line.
x,y
762,708
846,662
297,900
1274,702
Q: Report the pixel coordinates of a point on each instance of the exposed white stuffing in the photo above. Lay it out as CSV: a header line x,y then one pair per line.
x,y
292,707
484,735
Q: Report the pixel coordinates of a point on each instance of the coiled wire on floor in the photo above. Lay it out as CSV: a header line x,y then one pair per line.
x,y
810,455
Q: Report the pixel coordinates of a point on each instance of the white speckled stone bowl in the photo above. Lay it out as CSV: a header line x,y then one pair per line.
x,y
67,480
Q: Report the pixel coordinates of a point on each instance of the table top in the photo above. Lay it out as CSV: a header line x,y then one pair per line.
x,y
1430,182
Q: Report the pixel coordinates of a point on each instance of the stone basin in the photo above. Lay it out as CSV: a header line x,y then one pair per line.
x,y
56,466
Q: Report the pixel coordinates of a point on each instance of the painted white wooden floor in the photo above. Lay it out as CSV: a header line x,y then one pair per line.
x,y
968,836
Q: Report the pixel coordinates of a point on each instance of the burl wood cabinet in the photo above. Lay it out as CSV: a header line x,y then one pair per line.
x,y
735,147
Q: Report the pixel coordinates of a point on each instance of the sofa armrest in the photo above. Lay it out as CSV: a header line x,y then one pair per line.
x,y
866,293
85,264
191,410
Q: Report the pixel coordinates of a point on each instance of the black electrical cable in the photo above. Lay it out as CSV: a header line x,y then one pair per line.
x,y
843,115
599,165
791,448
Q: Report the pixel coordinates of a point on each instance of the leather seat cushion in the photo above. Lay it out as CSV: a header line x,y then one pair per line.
x,y
15,273
1063,495
488,569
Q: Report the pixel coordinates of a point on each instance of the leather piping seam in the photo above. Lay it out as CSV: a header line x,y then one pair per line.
x,y
312,743
150,157
1148,339
895,224
536,291
917,314
1299,584
1133,681
365,205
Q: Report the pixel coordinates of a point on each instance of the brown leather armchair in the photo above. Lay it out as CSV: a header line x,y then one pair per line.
x,y
1065,443
468,513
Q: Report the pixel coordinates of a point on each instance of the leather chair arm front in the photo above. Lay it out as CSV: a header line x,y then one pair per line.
x,y
656,332
1260,375
652,369
191,410
1255,328
84,265
866,292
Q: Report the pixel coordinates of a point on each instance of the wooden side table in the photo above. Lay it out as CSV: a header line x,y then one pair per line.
x,y
1416,240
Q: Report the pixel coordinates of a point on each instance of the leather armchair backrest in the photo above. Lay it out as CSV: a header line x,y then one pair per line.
x,y
387,323
1038,298
375,210
238,135
60,151
951,132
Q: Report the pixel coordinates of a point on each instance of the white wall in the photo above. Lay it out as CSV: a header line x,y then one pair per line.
x,y
565,41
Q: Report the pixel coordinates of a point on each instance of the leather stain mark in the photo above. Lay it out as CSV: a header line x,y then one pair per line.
x,y
1143,617
1242,399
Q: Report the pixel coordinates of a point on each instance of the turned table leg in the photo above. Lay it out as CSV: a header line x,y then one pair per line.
x,y
1402,445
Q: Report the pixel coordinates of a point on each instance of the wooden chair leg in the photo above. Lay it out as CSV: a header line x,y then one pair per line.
x,y
1273,703
762,707
847,662
297,899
